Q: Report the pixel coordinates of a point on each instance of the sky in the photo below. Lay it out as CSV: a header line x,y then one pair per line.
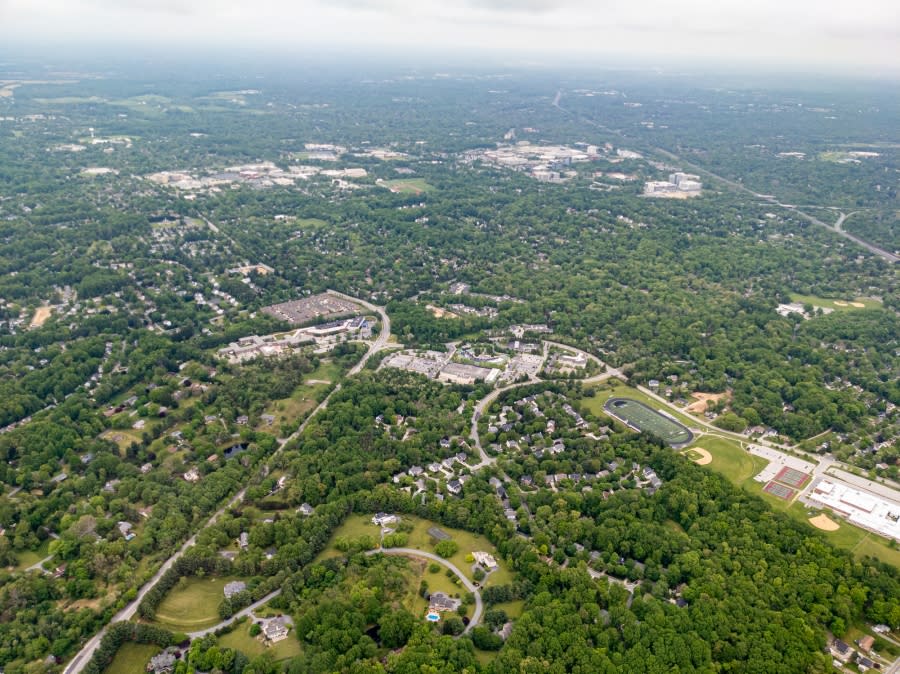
x,y
814,35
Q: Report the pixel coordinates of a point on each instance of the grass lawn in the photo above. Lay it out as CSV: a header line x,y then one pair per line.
x,y
407,185
240,639
437,582
132,658
193,604
29,557
309,223
123,438
737,464
513,609
484,658
845,304
356,526
327,371
297,406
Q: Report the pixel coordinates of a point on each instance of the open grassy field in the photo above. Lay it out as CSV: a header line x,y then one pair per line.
x,y
193,604
240,639
407,185
123,438
327,371
295,407
132,658
737,464
419,538
646,418
847,304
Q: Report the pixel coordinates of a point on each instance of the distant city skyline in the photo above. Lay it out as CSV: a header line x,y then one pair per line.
x,y
822,35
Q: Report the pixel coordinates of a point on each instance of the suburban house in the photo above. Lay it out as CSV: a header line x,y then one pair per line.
x,y
441,602
306,509
841,650
233,588
275,629
125,529
243,540
865,644
486,560
383,519
162,663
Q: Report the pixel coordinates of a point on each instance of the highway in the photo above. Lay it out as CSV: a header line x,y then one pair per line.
x,y
127,613
836,228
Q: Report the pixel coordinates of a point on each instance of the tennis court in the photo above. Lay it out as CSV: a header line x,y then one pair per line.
x,y
779,490
792,477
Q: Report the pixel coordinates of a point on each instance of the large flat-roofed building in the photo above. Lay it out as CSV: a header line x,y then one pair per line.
x,y
459,373
863,509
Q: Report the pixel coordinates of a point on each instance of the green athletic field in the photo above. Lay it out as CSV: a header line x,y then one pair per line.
x,y
643,418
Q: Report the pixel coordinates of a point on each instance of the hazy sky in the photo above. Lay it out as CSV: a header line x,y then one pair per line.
x,y
827,34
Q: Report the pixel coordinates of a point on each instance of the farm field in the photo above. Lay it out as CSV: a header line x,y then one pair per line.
x,y
132,658
645,418
193,604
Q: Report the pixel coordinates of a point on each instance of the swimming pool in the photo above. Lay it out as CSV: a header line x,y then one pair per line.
x,y
432,617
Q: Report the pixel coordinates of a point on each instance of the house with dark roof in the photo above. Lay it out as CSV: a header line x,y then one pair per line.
x,y
864,663
841,650
438,601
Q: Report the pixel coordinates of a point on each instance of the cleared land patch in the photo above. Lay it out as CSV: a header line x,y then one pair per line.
x,y
642,418
699,406
40,317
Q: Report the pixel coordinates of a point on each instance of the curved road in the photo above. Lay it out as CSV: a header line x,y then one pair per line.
x,y
412,552
127,613
237,616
